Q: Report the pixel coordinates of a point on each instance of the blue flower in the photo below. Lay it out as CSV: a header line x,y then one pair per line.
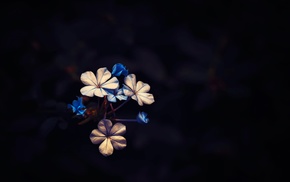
x,y
119,69
77,106
116,93
142,117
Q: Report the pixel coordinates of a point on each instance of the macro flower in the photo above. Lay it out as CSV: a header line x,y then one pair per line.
x,y
137,91
97,85
119,69
142,117
77,106
109,137
116,93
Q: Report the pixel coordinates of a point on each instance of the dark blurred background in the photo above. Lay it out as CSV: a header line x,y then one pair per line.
x,y
214,69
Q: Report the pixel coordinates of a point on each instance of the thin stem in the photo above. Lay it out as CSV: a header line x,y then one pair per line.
x,y
105,106
112,108
99,102
126,120
119,106
84,121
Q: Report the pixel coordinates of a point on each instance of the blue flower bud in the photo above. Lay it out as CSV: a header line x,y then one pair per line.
x,y
142,118
119,69
77,106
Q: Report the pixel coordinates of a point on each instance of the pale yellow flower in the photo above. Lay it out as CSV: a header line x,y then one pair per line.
x,y
137,91
97,85
109,137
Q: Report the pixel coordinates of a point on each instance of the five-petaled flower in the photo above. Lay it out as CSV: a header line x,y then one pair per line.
x,y
116,93
119,69
109,137
106,87
137,91
142,117
77,106
97,85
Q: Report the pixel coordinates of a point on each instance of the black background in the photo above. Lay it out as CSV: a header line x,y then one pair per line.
x,y
215,69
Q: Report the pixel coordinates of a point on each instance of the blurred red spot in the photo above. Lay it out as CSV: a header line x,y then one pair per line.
x,y
35,45
85,98
110,18
71,69
215,84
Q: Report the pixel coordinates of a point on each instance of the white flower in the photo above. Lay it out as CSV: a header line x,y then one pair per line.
x,y
137,91
109,136
96,85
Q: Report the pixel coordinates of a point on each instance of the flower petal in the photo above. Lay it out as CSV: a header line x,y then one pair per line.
x,y
106,147
140,102
142,117
75,103
113,83
120,91
142,87
69,106
88,90
81,111
80,100
103,75
119,69
111,98
130,81
127,91
118,129
99,92
97,137
119,142
105,126
134,97
122,97
88,78
145,98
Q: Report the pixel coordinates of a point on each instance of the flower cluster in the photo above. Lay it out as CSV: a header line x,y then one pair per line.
x,y
105,86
